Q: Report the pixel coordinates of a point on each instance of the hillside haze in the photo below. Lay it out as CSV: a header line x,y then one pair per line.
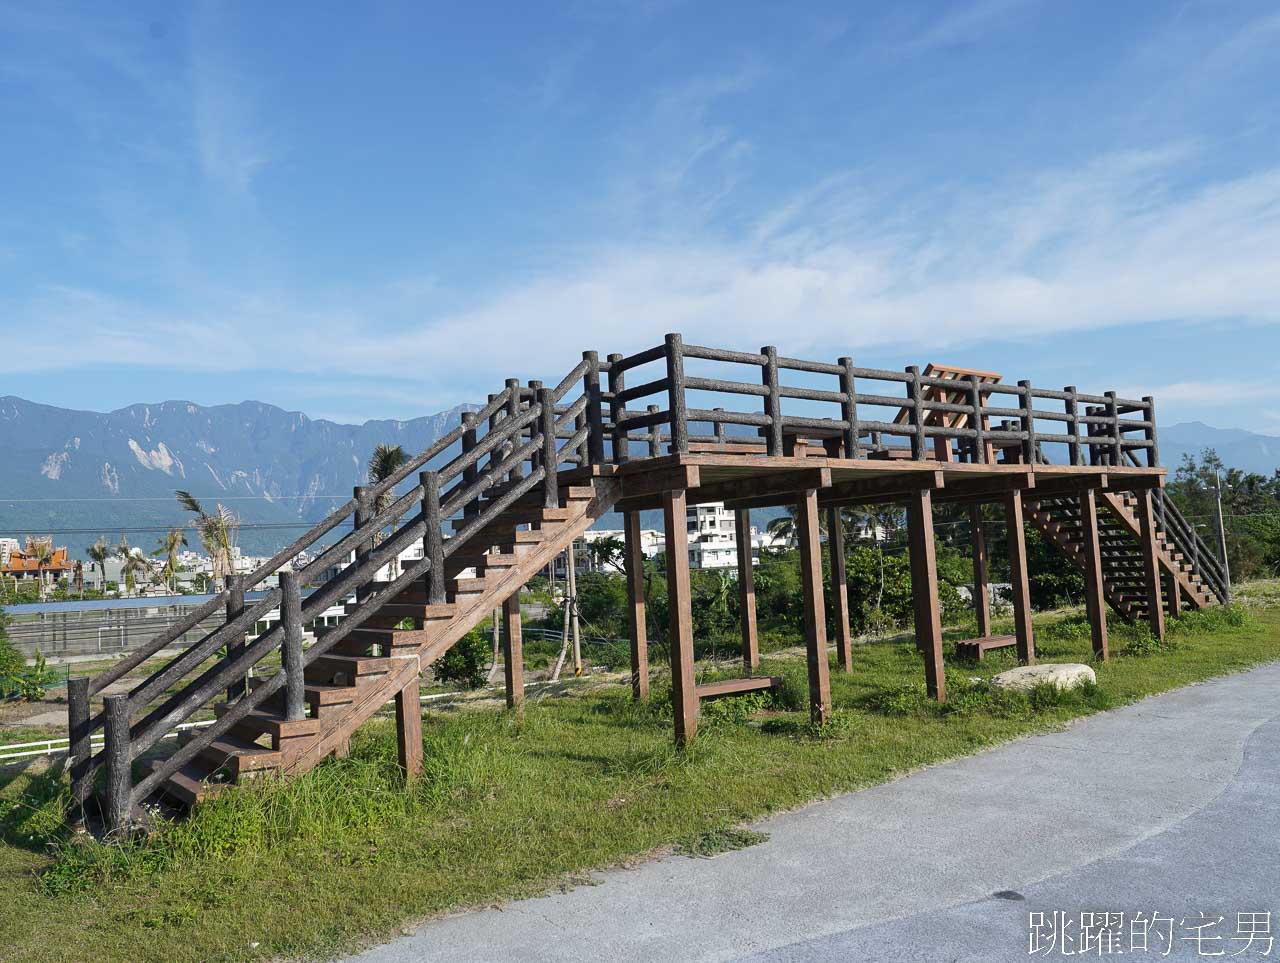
x,y
66,469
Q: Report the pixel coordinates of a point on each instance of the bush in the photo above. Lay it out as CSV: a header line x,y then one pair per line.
x,y
17,679
467,663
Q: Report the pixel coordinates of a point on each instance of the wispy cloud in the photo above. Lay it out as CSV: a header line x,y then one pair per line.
x,y
966,23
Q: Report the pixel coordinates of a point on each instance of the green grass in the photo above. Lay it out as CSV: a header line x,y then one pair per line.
x,y
509,807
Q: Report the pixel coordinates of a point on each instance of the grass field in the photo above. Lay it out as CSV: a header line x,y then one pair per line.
x,y
509,807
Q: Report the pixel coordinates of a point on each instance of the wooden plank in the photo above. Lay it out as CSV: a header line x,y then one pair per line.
x,y
1020,584
637,623
684,696
895,487
839,588
1093,584
981,587
637,484
784,485
924,591
513,651
815,615
409,729
1150,562
975,648
731,687
746,591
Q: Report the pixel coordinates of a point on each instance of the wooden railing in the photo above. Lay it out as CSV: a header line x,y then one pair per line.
x,y
519,440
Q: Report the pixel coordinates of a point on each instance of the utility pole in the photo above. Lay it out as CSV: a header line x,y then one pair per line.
x,y
1222,535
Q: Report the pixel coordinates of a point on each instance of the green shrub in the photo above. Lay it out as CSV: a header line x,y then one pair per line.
x,y
467,663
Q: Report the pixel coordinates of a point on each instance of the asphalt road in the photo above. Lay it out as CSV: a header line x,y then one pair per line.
x,y
1169,809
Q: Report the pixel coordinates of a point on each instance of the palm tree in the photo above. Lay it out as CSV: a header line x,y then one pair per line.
x,y
217,531
784,527
167,548
385,461
607,551
42,549
99,552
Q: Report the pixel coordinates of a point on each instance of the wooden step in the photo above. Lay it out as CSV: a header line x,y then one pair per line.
x,y
269,720
188,785
236,755
346,669
483,563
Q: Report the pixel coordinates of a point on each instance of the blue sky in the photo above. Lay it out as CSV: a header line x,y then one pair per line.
x,y
382,210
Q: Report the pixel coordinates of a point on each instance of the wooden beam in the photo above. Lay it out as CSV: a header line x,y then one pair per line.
x,y
408,730
839,587
641,484
684,695
981,589
1095,597
890,488
815,613
1175,596
1020,584
1054,486
765,489
746,591
985,489
513,651
924,591
638,623
1150,562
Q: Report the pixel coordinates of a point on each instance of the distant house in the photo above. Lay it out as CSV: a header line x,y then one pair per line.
x,y
23,564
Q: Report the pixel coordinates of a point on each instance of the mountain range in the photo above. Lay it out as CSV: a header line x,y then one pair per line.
x,y
82,474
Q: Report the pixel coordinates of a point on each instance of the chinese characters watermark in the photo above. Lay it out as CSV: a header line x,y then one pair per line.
x,y
1110,933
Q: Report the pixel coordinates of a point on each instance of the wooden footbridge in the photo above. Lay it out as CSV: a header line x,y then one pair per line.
x,y
517,480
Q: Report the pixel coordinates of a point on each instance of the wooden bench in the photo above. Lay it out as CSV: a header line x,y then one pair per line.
x,y
974,649
733,687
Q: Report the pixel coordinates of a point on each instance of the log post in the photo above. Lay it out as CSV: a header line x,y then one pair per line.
x,y
1020,584
772,400
1113,422
1150,563
291,648
513,651
1095,601
1028,424
550,469
815,613
235,608
591,388
924,591
1175,596
675,396
618,409
981,450
471,473
746,591
119,806
655,433
409,729
635,607
513,409
433,537
981,588
1153,444
1073,425
915,412
839,587
849,409
684,695
80,744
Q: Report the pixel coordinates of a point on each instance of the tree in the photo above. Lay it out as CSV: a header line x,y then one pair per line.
x,y
167,548
1250,506
99,553
217,531
42,549
385,461
604,553
133,563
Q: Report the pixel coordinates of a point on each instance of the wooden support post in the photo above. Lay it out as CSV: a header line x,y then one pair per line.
x,y
1175,597
550,468
595,421
291,648
635,607
684,695
815,613
675,395
513,651
839,587
80,746
571,594
1095,601
981,589
433,537
1073,426
1030,446
409,729
916,412
982,451
747,592
1150,563
119,804
924,591
618,409
849,409
1020,584
513,409
772,400
235,608
1113,426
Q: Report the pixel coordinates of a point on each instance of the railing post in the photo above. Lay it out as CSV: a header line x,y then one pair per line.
x,y
495,419
717,429
471,473
915,413
1153,450
80,745
1028,420
979,430
655,435
513,409
119,805
1073,425
595,426
291,647
433,537
849,409
675,394
772,401
550,472
617,409
235,608
1113,417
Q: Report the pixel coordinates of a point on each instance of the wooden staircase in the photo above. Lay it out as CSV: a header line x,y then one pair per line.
x,y
1119,538
364,670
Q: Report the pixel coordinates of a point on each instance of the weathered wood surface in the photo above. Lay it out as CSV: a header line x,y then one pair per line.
x,y
684,696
